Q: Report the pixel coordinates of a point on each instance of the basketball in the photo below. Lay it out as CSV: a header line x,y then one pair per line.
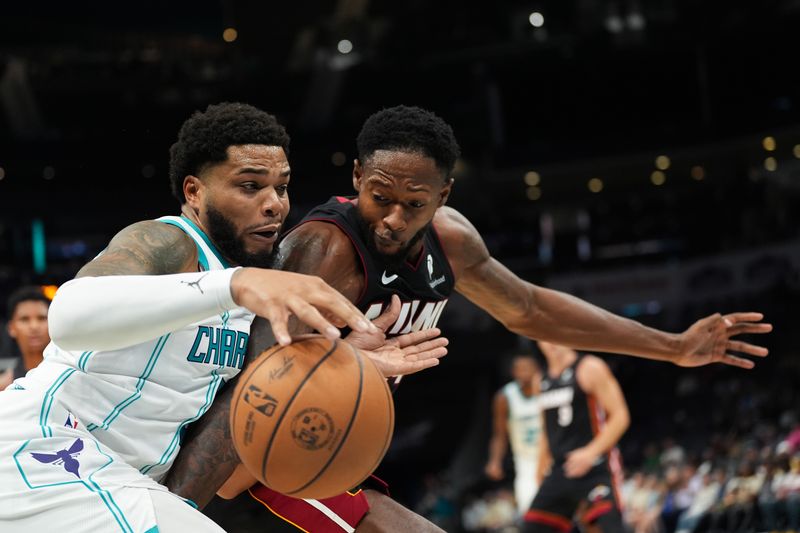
x,y
312,419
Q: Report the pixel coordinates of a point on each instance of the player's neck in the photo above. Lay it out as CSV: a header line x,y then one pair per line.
x,y
560,362
31,359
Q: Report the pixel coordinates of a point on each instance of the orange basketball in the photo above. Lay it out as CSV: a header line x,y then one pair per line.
x,y
312,419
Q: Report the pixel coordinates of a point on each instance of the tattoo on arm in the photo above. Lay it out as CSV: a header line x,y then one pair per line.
x,y
208,458
147,247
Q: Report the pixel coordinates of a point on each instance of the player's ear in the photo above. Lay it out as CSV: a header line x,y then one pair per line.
x,y
358,173
444,194
192,191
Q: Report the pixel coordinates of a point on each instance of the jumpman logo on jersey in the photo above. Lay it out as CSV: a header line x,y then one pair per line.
x,y
63,457
196,283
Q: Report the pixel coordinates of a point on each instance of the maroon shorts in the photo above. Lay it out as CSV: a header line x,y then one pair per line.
x,y
330,515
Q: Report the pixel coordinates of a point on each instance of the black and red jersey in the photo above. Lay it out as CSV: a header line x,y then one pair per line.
x,y
423,285
572,418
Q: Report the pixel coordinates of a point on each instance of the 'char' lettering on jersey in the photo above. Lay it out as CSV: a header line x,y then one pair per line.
x,y
219,346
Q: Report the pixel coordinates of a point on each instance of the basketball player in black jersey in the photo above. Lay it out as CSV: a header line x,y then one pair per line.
x,y
397,237
585,415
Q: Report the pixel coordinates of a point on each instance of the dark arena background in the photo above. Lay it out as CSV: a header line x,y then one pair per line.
x,y
641,154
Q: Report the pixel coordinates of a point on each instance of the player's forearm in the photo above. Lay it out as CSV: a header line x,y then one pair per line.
x,y
112,312
207,458
563,319
615,426
497,448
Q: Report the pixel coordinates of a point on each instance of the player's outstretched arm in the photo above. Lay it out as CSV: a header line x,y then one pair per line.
x,y
554,316
596,380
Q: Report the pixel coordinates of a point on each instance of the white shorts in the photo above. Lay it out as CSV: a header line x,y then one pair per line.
x,y
525,486
54,476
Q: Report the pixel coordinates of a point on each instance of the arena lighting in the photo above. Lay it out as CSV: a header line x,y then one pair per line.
x,y
230,35
338,159
2,173
771,164
48,173
595,185
662,162
697,172
536,19
532,178
658,177
344,46
768,143
39,246
534,193
50,291
795,151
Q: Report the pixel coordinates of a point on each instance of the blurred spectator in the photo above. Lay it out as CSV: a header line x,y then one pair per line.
x,y
707,496
27,325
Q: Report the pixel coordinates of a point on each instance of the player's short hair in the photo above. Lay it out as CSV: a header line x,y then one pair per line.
x,y
411,129
28,293
205,137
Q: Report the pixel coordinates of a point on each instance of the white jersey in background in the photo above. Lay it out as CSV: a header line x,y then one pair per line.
x,y
524,429
83,425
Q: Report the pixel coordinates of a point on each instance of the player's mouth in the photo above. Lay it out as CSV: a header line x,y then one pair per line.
x,y
385,241
266,234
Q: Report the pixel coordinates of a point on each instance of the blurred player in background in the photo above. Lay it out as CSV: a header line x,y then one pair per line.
x,y
516,419
585,415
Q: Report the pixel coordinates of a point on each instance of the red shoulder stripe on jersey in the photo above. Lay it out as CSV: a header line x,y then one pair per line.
x,y
344,200
355,247
543,517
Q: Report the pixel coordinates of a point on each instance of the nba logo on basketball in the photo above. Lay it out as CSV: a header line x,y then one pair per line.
x,y
260,400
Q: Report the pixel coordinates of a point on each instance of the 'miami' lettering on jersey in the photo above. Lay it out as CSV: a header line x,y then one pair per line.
x,y
410,318
219,346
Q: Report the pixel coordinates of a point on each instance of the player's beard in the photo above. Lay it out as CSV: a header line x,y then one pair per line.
x,y
223,234
396,259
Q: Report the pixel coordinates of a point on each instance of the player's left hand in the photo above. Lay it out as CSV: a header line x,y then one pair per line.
x,y
579,462
709,340
404,354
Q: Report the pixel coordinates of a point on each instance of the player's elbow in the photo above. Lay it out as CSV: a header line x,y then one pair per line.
x,y
623,419
63,320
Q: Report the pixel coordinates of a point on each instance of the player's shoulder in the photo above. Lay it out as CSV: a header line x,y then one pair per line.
x,y
319,234
461,241
154,236
450,220
145,247
591,368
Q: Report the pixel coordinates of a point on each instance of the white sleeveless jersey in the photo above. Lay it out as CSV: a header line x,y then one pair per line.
x,y
138,400
524,422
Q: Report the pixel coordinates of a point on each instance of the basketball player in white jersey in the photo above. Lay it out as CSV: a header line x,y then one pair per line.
x,y
145,336
380,243
516,419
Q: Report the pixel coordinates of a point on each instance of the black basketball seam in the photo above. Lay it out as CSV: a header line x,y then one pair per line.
x,y
244,382
349,425
286,409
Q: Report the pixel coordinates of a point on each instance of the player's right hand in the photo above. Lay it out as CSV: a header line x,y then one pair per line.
x,y
494,471
276,295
